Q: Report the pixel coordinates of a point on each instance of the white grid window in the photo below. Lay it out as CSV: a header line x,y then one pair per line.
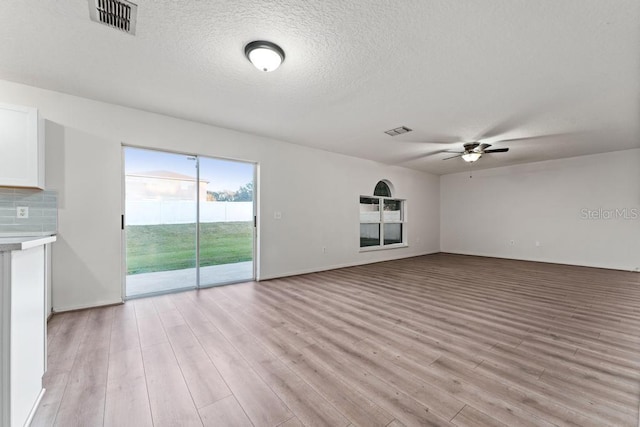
x,y
382,221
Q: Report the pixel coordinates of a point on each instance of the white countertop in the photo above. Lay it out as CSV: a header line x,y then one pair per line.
x,y
22,243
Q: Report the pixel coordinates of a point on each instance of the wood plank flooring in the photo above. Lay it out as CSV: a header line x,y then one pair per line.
x,y
434,340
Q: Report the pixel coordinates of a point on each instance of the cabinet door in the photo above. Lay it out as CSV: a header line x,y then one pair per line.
x,y
21,148
27,331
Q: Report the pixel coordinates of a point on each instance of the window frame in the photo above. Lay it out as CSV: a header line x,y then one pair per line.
x,y
381,221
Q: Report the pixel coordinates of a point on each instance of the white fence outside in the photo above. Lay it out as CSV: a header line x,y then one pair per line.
x,y
389,216
153,212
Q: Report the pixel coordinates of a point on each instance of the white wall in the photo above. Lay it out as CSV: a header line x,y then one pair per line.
x,y
545,202
85,170
316,192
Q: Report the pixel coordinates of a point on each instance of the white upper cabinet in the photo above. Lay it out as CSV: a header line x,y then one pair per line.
x,y
21,147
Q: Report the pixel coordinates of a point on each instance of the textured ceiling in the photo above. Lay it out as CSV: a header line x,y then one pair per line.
x,y
565,71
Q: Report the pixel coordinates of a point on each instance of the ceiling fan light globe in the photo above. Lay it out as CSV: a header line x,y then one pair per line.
x,y
471,157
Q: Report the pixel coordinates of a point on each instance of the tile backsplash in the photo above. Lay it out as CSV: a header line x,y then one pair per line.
x,y
43,212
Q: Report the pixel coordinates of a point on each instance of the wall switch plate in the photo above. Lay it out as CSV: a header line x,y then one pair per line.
x,y
22,212
277,215
512,242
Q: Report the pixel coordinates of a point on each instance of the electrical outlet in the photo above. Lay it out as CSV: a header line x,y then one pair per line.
x,y
22,212
277,215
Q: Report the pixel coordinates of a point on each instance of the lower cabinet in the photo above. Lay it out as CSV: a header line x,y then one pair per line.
x,y
23,333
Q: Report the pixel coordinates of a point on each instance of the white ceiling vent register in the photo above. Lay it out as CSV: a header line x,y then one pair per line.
x,y
120,14
397,131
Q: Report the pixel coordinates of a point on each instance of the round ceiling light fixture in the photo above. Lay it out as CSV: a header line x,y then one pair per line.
x,y
265,56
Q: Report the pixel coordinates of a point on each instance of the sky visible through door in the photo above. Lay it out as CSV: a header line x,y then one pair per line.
x,y
221,175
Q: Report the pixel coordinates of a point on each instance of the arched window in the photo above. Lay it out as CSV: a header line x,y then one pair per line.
x,y
382,189
382,223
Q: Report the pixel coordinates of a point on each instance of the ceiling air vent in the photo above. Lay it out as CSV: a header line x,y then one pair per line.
x,y
120,14
397,131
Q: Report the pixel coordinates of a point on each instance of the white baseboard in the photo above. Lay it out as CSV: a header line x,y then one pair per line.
x,y
337,266
543,260
83,306
32,413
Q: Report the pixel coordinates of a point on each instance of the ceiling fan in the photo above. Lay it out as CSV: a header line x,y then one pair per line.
x,y
474,150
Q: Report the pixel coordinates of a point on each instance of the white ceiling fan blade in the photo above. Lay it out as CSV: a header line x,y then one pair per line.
x,y
424,155
550,135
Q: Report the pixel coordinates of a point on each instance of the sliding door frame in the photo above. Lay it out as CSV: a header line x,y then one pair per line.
x,y
123,235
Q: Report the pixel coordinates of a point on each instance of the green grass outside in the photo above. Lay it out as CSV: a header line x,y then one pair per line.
x,y
173,246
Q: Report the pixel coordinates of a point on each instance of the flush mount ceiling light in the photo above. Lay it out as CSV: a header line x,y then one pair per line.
x,y
265,56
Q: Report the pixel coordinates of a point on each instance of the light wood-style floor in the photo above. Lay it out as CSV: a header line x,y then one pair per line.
x,y
434,340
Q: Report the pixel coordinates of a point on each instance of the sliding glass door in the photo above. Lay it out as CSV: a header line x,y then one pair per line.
x,y
226,226
189,221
